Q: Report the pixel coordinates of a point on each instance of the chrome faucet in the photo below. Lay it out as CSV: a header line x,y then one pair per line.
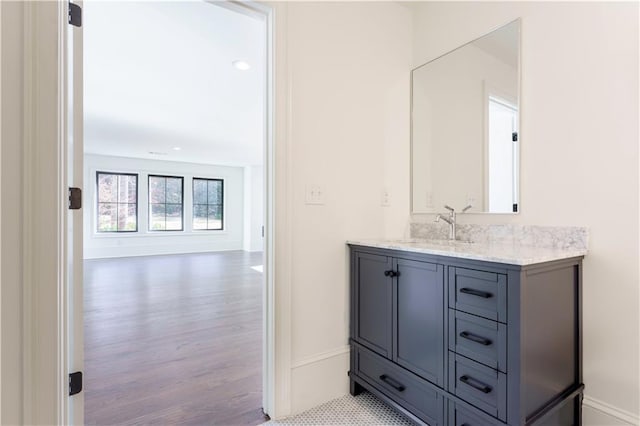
x,y
451,220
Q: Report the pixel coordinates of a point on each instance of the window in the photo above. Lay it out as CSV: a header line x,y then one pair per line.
x,y
117,202
208,204
165,203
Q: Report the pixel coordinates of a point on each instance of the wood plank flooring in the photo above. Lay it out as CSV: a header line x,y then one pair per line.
x,y
173,340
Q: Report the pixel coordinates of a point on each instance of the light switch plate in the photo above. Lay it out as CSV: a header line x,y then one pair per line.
x,y
314,194
385,198
428,199
471,200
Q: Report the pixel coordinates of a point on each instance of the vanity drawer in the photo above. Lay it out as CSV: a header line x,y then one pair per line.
x,y
418,397
478,338
462,417
479,385
478,292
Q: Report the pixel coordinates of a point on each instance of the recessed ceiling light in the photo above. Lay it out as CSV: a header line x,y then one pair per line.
x,y
176,148
157,153
241,65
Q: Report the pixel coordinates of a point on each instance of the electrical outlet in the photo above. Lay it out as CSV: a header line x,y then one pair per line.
x,y
471,200
428,199
385,198
314,194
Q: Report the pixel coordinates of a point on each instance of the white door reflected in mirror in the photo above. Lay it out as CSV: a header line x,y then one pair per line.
x,y
502,170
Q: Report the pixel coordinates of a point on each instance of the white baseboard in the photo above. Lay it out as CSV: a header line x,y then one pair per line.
x,y
321,356
599,413
155,250
319,378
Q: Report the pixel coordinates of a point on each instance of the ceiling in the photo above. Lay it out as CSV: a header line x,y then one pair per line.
x,y
159,82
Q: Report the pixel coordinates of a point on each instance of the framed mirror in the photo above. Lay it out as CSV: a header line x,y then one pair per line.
x,y
465,142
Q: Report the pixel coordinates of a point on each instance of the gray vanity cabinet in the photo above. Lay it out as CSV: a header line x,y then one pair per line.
x,y
452,341
398,314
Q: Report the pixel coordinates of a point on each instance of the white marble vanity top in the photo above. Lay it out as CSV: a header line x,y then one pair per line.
x,y
512,254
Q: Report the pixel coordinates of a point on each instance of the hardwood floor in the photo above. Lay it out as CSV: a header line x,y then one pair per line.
x,y
173,340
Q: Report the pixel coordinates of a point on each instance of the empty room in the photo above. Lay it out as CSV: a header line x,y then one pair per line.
x,y
173,213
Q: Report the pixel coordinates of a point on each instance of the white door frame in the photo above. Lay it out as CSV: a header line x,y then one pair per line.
x,y
44,334
45,329
266,12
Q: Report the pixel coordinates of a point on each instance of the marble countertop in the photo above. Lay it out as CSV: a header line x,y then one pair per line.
x,y
512,254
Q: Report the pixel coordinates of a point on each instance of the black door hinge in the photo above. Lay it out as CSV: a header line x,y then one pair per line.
x,y
514,136
75,383
515,208
75,198
75,15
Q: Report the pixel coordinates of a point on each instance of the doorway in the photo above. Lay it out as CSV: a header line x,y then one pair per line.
x,y
503,154
174,185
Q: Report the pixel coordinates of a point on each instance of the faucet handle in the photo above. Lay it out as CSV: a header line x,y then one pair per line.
x,y
451,209
467,208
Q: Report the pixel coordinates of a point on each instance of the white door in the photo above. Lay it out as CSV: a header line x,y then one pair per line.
x,y
75,151
502,156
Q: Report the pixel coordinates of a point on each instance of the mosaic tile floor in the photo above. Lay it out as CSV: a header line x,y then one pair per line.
x,y
364,409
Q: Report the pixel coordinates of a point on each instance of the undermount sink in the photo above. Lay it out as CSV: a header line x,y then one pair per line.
x,y
448,243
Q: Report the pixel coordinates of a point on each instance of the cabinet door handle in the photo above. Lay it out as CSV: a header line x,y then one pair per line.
x,y
391,273
476,384
474,338
393,383
474,292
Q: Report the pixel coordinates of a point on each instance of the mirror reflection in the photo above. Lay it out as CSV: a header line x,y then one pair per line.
x,y
464,136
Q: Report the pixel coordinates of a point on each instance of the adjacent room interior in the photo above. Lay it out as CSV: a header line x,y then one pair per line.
x,y
174,120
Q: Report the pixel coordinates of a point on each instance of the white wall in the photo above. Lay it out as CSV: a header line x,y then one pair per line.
x,y
579,133
349,68
144,242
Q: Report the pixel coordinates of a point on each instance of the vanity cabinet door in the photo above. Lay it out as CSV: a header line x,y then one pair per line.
x,y
420,310
373,302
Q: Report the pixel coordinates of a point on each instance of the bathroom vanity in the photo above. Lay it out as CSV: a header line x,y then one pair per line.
x,y
454,333
468,334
